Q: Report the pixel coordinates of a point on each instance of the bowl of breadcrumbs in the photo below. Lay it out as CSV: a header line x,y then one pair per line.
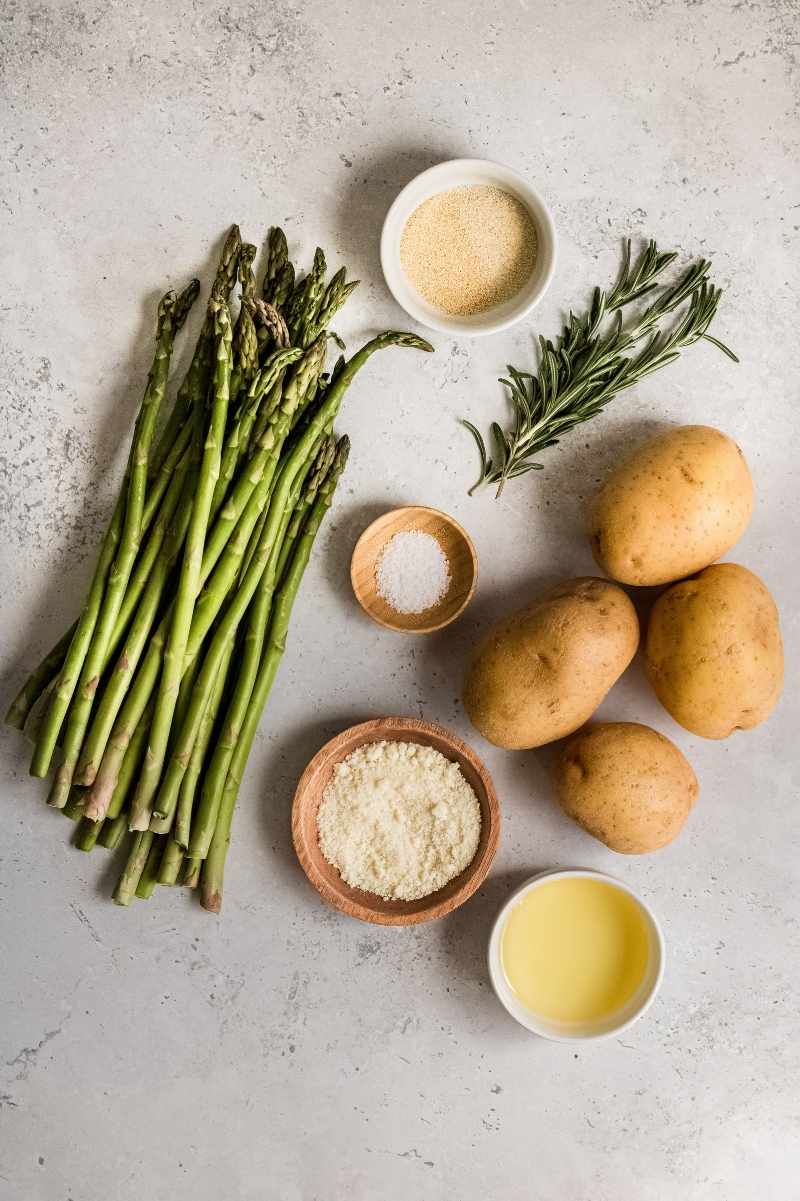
x,y
395,821
468,247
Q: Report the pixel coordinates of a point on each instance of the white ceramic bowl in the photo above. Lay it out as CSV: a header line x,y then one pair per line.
x,y
639,1003
456,173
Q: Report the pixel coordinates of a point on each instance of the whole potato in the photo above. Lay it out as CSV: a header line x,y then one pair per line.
x,y
627,785
541,673
714,653
677,504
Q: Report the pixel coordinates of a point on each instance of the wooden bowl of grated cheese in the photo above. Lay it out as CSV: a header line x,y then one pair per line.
x,y
311,791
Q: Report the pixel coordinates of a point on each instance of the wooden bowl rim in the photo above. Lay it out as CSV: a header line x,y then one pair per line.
x,y
432,626
336,749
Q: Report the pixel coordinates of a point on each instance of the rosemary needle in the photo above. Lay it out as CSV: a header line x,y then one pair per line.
x,y
588,365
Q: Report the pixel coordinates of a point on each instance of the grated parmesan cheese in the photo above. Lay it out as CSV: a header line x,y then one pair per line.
x,y
399,820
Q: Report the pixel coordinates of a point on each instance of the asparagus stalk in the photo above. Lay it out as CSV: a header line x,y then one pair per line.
x,y
171,862
74,808
188,788
305,302
132,871
112,831
190,872
245,336
277,258
53,661
117,686
335,296
39,680
149,877
284,286
129,770
258,617
304,501
131,714
188,585
149,557
237,442
270,326
192,391
213,870
88,833
88,648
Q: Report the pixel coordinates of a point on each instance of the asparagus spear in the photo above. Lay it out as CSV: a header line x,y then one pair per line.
x,y
214,865
53,661
87,834
186,798
190,872
134,866
237,442
112,831
123,563
148,558
335,295
149,877
39,680
88,647
270,326
133,710
284,286
188,584
171,862
245,336
74,808
277,258
258,618
304,305
103,721
129,770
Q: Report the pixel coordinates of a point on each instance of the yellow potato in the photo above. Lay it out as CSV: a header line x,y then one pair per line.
x,y
714,653
678,503
627,785
541,673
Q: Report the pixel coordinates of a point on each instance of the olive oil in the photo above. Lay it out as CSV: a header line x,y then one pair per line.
x,y
575,949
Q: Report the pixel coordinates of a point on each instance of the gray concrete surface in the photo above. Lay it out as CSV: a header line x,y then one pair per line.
x,y
283,1053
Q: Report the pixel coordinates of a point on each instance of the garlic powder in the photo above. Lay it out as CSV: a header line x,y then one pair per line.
x,y
399,820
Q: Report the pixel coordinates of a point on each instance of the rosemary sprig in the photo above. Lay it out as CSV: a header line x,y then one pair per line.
x,y
587,365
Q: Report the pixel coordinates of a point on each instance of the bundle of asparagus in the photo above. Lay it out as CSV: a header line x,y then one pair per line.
x,y
155,693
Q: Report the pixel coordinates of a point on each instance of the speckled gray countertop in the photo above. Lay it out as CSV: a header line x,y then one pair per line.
x,y
283,1052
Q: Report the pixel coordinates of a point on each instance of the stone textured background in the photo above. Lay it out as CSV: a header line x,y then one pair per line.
x,y
283,1053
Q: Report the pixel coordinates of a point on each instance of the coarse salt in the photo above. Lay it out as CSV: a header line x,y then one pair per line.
x,y
399,820
412,573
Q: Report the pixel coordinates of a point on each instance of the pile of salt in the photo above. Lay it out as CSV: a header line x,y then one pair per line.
x,y
412,573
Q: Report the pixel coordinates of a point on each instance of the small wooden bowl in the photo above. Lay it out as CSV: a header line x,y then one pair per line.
x,y
457,546
366,905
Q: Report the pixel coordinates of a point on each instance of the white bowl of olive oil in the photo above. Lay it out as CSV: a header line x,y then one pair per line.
x,y
576,955
468,247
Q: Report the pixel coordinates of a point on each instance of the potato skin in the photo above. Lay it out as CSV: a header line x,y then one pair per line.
x,y
678,503
627,785
714,653
539,674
